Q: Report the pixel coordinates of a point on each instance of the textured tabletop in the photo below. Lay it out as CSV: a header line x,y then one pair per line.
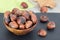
x,y
52,35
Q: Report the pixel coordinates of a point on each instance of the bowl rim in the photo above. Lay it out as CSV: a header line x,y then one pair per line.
x,y
23,29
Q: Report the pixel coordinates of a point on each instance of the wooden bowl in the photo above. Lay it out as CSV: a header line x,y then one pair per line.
x,y
20,32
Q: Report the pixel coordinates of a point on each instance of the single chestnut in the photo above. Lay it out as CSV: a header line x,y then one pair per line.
x,y
24,5
13,24
26,14
44,9
6,14
33,17
21,26
6,20
14,10
21,20
42,32
44,18
19,12
13,17
51,25
28,24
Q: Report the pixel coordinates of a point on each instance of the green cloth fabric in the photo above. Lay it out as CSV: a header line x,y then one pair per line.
x,y
10,4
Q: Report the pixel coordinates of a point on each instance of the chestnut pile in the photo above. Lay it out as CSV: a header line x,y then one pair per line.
x,y
19,19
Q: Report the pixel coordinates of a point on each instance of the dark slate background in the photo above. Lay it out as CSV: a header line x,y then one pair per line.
x,y
52,34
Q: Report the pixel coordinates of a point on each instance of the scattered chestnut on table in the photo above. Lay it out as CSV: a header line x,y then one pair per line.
x,y
42,33
51,25
44,9
44,18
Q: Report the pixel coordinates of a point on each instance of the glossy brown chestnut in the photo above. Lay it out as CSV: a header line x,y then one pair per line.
x,y
51,25
42,33
24,5
21,26
19,12
13,17
13,24
26,14
44,9
44,18
33,17
28,24
6,20
6,14
14,10
21,20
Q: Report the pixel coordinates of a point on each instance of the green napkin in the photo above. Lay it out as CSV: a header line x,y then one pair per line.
x,y
10,4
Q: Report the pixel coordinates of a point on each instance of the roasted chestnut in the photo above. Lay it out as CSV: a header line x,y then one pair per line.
x,y
19,12
6,14
13,24
44,9
44,18
33,17
21,26
13,17
6,20
28,24
42,33
24,5
51,25
14,10
21,20
26,14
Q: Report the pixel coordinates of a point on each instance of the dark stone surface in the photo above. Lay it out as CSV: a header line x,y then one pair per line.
x,y
52,34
